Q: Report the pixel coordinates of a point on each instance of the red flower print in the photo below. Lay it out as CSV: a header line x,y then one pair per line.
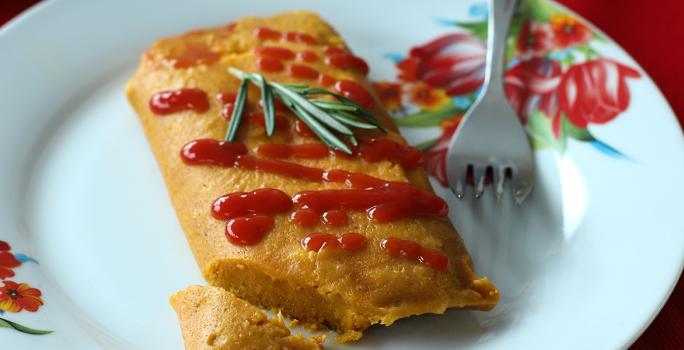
x,y
535,39
7,261
435,157
532,84
428,98
15,297
569,31
390,94
595,91
408,69
453,62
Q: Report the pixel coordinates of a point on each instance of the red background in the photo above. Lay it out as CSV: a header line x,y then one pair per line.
x,y
652,32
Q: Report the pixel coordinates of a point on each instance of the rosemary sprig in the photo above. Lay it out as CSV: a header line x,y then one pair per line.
x,y
326,118
238,109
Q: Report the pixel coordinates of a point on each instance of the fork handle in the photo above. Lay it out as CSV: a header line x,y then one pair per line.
x,y
500,15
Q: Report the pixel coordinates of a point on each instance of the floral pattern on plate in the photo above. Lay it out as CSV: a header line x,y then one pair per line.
x,y
17,297
555,80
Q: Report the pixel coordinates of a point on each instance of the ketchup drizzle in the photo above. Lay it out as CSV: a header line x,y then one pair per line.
x,y
369,149
346,60
172,101
300,38
302,72
355,91
306,150
212,152
383,201
412,250
304,217
248,230
193,56
334,217
349,241
279,53
261,201
390,202
264,33
301,129
269,64
307,56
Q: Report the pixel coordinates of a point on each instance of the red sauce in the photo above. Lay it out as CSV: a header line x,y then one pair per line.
x,y
300,38
193,56
302,71
334,217
355,180
304,217
377,149
332,50
265,33
167,102
349,241
255,118
227,110
269,64
348,61
307,56
389,202
279,167
355,91
248,230
261,201
279,53
412,250
317,241
226,97
352,241
369,149
212,152
301,129
307,150
326,80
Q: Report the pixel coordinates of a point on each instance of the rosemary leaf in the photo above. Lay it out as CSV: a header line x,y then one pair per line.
x,y
325,117
332,105
240,102
348,119
238,73
324,134
312,109
361,111
267,103
296,86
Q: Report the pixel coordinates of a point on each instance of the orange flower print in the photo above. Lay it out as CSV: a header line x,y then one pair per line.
x,y
568,31
7,261
15,297
390,94
428,98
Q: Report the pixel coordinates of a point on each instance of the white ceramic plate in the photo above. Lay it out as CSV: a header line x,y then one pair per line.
x,y
587,262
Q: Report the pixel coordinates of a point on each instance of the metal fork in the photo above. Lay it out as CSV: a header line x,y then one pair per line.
x,y
491,135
